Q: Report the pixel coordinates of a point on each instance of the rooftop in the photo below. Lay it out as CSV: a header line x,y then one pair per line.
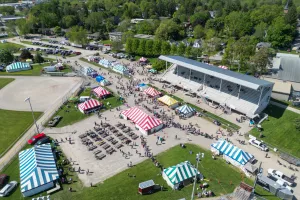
x,y
234,77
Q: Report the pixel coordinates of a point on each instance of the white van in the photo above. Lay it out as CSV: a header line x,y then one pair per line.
x,y
84,98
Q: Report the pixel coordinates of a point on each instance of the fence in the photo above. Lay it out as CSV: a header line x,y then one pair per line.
x,y
20,142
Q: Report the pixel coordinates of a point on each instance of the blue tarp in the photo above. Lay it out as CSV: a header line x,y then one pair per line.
x,y
232,151
142,84
99,78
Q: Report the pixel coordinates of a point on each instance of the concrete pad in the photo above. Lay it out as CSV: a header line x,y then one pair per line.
x,y
43,92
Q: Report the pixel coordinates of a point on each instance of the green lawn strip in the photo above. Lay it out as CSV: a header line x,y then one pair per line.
x,y
70,113
11,47
286,103
209,116
280,130
12,125
5,81
223,178
35,71
100,66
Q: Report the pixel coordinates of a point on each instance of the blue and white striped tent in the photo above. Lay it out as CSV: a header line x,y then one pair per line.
x,y
105,63
18,66
237,155
37,169
120,69
180,173
186,110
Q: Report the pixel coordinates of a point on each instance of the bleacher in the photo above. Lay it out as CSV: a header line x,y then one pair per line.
x,y
238,92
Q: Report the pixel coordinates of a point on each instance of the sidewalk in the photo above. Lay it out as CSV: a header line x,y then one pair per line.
x,y
285,107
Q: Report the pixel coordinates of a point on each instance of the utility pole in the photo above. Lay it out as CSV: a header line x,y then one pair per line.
x,y
253,191
37,128
195,178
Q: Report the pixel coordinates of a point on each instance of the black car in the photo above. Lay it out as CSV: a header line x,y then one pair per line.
x,y
3,180
43,141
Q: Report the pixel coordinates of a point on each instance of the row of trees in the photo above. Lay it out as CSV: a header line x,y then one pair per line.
x,y
158,47
7,57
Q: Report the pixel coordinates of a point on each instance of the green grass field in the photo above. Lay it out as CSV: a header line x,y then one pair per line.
x,y
5,81
221,177
70,114
12,125
280,130
11,47
35,71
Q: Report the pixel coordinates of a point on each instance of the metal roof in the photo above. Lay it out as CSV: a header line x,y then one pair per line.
x,y
289,69
146,184
234,77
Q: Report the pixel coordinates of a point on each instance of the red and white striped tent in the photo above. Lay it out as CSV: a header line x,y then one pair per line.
x,y
89,106
145,123
223,67
101,92
152,92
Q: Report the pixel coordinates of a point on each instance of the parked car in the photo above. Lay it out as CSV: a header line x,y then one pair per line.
x,y
36,138
3,180
77,53
278,175
8,188
258,144
54,121
43,141
282,183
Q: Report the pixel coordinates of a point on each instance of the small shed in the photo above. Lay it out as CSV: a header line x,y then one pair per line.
x,y
146,187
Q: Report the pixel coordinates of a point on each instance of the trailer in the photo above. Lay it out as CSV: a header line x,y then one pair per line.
x,y
146,187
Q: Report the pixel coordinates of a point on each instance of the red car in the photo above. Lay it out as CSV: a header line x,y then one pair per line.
x,y
36,138
77,53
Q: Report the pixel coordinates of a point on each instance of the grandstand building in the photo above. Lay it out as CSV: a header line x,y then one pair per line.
x,y
230,90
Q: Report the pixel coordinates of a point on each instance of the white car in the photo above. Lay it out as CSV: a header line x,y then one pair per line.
x,y
258,144
278,175
8,188
284,184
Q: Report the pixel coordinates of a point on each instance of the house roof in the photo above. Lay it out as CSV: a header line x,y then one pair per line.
x,y
234,77
289,69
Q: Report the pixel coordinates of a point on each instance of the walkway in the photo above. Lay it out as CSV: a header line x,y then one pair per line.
x,y
285,107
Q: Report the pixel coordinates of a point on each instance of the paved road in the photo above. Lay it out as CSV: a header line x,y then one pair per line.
x,y
266,162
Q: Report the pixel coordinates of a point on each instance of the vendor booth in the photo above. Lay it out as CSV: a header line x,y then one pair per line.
x,y
181,174
104,82
105,63
169,101
232,154
150,91
142,86
146,187
99,78
101,92
18,66
144,122
89,106
121,69
186,110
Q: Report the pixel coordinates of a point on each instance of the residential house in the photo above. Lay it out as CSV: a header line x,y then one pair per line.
x,y
262,44
197,44
212,14
115,36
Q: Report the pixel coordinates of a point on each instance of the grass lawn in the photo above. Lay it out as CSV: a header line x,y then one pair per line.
x,y
97,65
35,71
222,179
12,125
209,116
11,47
5,81
280,130
151,60
70,114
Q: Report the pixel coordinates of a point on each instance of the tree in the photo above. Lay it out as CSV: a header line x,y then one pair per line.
x,y
6,57
78,35
131,10
23,27
198,32
266,14
188,51
165,48
117,45
181,49
243,50
168,29
157,47
145,27
69,21
173,49
280,34
199,18
135,45
159,65
129,45
259,61
237,24
292,16
196,52
7,10
260,31
93,21
57,30
25,54
126,35
38,58
149,48
142,48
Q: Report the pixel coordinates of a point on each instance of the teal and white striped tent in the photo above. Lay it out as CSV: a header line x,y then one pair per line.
x,y
121,69
186,110
181,173
18,66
